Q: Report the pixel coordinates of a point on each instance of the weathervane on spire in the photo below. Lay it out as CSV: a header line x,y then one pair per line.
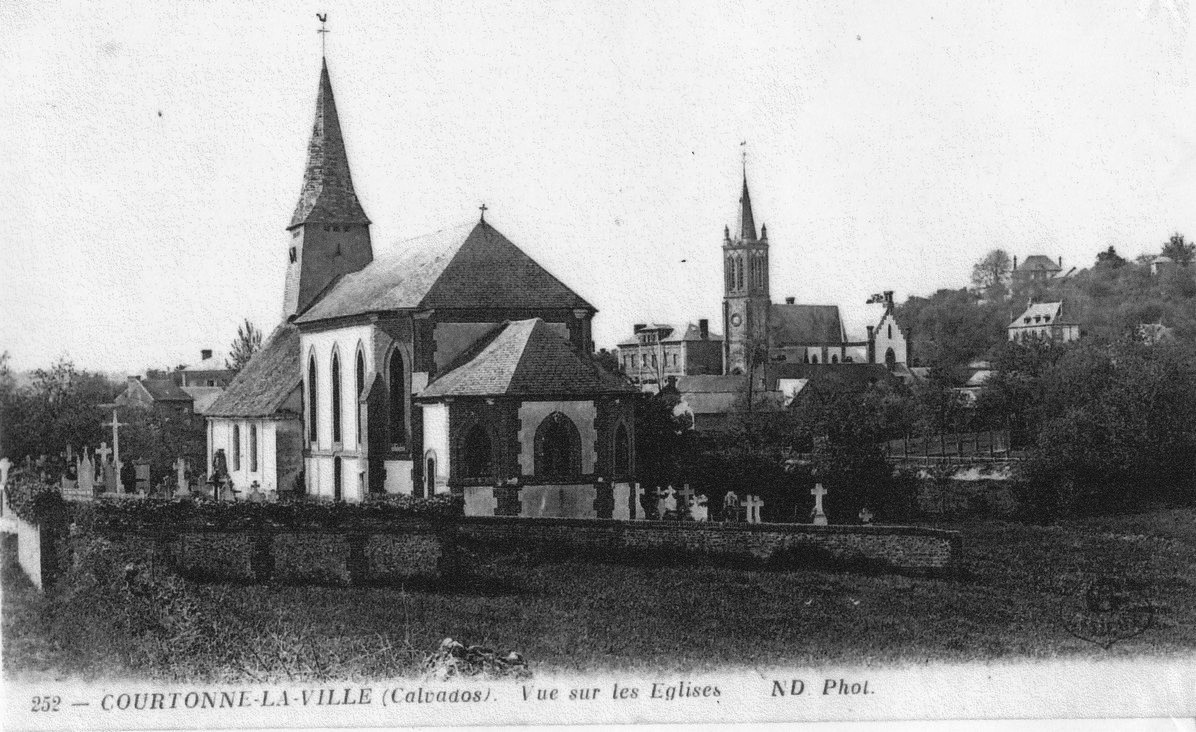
x,y
323,17
743,155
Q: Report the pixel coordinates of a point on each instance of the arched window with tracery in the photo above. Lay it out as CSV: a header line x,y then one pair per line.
x,y
558,447
477,454
622,450
312,398
335,384
398,400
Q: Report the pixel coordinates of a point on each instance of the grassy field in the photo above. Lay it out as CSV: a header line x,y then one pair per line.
x,y
1019,586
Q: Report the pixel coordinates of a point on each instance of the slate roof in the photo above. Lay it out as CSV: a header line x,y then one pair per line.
x,y
745,226
327,195
1039,313
264,384
470,266
691,332
164,390
1039,262
525,358
204,397
804,324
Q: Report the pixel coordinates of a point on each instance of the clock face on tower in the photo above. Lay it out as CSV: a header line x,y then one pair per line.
x,y
736,319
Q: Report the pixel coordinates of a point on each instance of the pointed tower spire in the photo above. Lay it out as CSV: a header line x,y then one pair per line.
x,y
327,196
745,228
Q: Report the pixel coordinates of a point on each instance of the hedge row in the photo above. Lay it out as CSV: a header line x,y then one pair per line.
x,y
33,500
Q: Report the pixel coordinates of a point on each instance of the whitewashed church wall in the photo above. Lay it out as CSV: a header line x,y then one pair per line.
x,y
398,477
884,342
321,345
583,414
221,434
436,441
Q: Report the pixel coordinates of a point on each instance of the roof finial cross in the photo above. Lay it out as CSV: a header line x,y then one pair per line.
x,y
323,17
743,155
483,209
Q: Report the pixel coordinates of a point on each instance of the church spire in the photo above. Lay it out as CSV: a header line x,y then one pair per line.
x,y
745,228
327,196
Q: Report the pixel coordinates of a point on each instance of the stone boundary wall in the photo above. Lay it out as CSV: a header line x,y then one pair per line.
x,y
902,548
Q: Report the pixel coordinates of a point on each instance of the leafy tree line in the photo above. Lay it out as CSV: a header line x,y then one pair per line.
x,y
951,328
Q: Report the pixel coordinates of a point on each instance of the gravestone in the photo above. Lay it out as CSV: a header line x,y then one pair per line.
x,y
752,505
112,479
255,493
819,516
685,502
699,511
731,506
670,504
86,469
660,508
865,515
180,477
142,477
637,509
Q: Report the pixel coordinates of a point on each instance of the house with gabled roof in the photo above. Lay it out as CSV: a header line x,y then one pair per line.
x,y
656,351
453,362
1043,321
160,394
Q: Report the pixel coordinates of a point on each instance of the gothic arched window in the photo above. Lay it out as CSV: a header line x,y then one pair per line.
x,y
253,448
398,400
558,447
890,359
730,268
430,475
312,399
236,447
477,456
739,273
360,388
335,384
622,451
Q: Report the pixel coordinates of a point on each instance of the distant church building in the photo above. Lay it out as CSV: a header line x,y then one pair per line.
x,y
759,331
455,363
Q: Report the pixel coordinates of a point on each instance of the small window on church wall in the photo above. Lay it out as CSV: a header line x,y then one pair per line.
x,y
890,332
292,255
834,359
253,448
312,401
398,401
622,451
335,384
236,447
476,456
430,476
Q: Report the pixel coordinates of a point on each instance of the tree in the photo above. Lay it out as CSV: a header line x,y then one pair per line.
x,y
60,408
991,271
1109,258
247,343
1180,251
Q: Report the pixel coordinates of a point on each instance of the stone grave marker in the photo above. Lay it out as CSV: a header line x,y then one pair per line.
x,y
752,505
669,504
731,506
141,478
685,501
819,516
637,508
180,477
865,515
699,511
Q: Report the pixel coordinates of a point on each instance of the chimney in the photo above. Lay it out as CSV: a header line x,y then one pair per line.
x,y
704,329
638,327
1014,262
205,354
790,300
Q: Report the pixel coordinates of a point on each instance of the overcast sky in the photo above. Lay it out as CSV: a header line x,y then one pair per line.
x,y
153,152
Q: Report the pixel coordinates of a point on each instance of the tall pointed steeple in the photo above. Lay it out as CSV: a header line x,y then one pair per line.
x,y
330,233
745,228
327,196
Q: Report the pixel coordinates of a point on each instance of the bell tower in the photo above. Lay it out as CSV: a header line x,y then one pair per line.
x,y
745,288
329,232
